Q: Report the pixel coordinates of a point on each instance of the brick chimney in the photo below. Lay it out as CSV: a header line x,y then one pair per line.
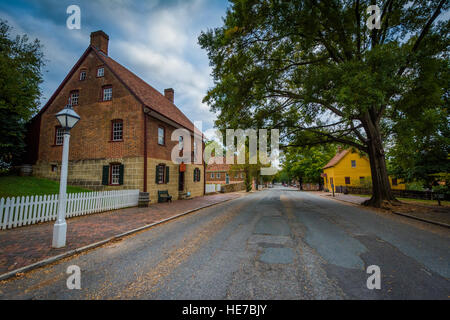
x,y
169,94
100,40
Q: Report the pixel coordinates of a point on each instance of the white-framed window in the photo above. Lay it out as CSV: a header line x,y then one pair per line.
x,y
161,138
117,130
83,75
212,175
115,173
100,72
59,136
242,175
74,95
107,93
353,163
236,175
218,175
180,142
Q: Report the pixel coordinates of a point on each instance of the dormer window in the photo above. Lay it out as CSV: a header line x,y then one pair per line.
x,y
100,72
83,75
353,163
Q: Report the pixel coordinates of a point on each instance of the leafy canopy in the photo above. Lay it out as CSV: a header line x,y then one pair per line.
x,y
314,69
21,62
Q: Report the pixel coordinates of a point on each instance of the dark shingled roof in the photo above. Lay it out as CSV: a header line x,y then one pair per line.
x,y
146,94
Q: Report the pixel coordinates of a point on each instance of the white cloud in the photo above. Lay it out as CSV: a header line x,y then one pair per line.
x,y
157,40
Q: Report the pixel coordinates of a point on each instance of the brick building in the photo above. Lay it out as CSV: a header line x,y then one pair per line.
x,y
123,140
222,173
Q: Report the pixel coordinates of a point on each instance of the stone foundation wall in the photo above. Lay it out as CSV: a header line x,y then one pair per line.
x,y
195,188
88,174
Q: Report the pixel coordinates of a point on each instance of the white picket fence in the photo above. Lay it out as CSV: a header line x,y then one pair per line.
x,y
21,211
212,188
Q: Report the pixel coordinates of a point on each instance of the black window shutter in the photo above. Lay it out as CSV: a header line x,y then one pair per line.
x,y
199,174
121,170
105,176
156,174
167,174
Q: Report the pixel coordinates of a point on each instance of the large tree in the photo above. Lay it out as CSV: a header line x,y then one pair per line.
x,y
316,71
421,147
21,62
306,163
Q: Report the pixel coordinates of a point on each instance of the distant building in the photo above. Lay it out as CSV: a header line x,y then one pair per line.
x,y
350,169
222,173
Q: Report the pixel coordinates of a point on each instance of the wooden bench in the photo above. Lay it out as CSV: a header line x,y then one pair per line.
x,y
163,196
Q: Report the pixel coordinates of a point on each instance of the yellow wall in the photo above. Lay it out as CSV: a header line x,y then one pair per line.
x,y
344,169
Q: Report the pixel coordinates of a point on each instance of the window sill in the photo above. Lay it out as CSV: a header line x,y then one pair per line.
x,y
56,145
111,141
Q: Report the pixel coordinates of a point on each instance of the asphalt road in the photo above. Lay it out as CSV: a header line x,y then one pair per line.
x,y
274,244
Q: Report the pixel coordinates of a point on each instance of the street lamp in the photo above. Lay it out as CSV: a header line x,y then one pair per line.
x,y
68,118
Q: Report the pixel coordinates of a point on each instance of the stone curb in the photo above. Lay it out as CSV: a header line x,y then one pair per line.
x,y
424,220
99,243
397,213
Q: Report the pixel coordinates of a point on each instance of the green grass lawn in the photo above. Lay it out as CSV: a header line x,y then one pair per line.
x,y
13,186
429,202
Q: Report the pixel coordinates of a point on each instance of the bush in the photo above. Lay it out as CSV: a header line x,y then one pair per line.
x,y
415,185
441,189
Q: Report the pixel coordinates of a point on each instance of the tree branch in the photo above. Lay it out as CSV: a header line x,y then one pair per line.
x,y
428,25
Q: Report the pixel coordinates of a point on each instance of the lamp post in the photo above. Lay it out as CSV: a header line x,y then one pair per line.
x,y
68,118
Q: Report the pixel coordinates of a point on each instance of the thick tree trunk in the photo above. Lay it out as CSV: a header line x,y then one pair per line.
x,y
381,189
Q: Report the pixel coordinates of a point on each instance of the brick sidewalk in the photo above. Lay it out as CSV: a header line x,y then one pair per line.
x,y
26,245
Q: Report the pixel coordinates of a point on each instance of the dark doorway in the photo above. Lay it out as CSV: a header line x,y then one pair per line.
x,y
181,181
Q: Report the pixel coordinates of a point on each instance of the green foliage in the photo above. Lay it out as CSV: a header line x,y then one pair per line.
x,y
20,75
366,183
415,185
421,146
441,189
306,163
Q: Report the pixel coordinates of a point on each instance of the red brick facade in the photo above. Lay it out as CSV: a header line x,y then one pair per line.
x,y
217,172
91,144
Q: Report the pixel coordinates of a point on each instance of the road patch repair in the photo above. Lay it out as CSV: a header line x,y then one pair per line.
x,y
270,229
27,248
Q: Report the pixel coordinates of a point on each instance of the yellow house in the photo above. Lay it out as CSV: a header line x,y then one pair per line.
x,y
350,169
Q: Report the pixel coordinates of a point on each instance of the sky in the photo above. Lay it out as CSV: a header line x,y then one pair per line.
x,y
155,39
